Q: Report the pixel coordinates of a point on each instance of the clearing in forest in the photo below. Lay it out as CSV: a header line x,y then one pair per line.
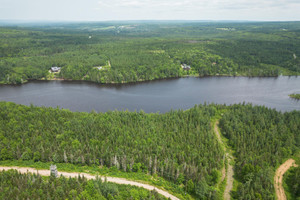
x,y
230,173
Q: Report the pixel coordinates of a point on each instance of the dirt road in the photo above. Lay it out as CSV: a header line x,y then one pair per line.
x,y
88,176
229,182
230,173
279,176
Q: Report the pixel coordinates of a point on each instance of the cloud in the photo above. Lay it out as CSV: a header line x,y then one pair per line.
x,y
146,3
150,9
256,4
202,9
198,4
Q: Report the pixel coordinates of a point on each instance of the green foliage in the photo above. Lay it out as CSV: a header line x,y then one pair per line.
x,y
5,154
33,186
178,145
291,179
295,96
36,156
122,53
262,139
190,186
103,171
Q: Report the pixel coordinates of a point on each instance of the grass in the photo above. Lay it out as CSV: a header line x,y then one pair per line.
x,y
159,182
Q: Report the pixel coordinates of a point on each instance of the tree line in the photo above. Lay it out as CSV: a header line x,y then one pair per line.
x,y
262,139
14,185
179,145
148,52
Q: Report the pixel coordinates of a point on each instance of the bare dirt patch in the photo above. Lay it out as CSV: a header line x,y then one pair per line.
x,y
279,177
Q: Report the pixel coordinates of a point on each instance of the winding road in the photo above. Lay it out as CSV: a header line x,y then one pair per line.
x,y
279,177
230,172
88,176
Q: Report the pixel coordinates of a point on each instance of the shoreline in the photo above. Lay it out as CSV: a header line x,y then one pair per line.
x,y
140,81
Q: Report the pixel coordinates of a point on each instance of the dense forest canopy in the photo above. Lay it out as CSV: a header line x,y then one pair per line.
x,y
14,185
180,146
292,183
262,139
118,52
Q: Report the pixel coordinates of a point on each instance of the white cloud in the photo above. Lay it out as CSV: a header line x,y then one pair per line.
x,y
198,4
150,9
146,3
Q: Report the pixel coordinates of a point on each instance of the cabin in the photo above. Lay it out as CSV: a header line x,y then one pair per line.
x,y
55,69
185,67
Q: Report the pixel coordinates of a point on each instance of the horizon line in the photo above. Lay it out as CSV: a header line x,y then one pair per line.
x,y
137,20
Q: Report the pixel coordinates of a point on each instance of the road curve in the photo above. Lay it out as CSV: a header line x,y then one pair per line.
x,y
88,176
279,176
230,172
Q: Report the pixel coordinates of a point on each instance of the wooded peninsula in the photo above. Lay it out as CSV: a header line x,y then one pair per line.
x,y
295,96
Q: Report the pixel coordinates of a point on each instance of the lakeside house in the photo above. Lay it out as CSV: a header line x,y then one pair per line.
x,y
55,69
185,67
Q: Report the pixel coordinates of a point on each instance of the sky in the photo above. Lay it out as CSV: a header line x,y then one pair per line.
x,y
106,10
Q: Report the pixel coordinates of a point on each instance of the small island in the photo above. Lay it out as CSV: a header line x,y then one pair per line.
x,y
295,96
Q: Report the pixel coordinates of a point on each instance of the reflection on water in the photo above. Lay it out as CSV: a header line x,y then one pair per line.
x,y
157,96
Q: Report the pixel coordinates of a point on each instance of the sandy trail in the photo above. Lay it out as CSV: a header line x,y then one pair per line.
x,y
230,173
88,176
279,176
229,182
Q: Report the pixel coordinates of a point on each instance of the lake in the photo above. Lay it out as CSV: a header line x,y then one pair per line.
x,y
157,96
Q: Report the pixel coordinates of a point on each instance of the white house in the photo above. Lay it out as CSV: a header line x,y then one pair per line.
x,y
185,67
55,69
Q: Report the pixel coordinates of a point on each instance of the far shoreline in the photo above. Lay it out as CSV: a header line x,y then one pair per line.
x,y
141,81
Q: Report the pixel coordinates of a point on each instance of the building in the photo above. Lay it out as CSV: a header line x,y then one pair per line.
x,y
55,69
53,171
185,67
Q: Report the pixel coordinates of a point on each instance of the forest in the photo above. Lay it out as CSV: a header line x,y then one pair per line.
x,y
179,146
292,184
262,139
122,52
14,185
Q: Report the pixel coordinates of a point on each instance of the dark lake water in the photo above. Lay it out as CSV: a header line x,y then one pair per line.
x,y
157,96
